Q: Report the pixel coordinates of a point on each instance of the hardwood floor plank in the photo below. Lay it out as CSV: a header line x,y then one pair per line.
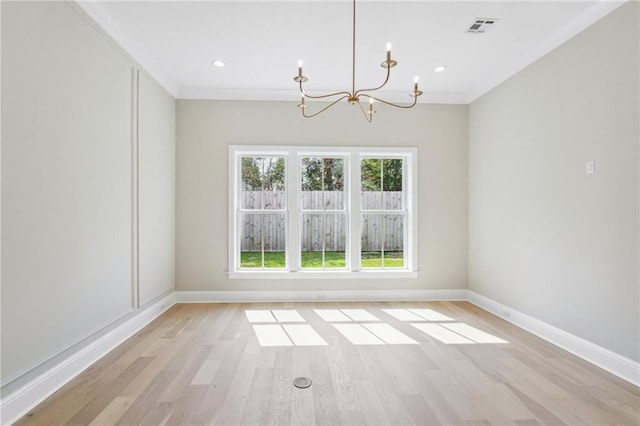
x,y
340,377
541,406
256,408
143,403
113,411
226,397
188,403
420,410
112,389
370,405
206,372
280,395
158,414
302,403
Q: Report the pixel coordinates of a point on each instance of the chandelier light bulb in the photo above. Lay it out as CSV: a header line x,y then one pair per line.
x,y
300,78
388,46
416,79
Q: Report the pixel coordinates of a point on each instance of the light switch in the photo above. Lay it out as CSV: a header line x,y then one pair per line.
x,y
591,167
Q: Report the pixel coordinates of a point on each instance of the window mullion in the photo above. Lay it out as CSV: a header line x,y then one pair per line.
x,y
354,212
411,207
262,234
383,238
293,207
324,234
233,236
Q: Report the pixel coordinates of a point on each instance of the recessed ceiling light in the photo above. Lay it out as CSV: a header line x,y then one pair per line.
x,y
439,68
218,64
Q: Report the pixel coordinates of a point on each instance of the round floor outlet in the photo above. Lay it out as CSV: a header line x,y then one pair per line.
x,y
302,382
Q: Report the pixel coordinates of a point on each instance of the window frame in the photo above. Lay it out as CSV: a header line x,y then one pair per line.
x,y
293,211
384,212
262,212
324,212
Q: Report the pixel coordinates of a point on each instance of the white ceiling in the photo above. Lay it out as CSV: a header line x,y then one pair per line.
x,y
261,42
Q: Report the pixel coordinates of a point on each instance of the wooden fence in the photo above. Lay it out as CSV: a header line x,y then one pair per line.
x,y
376,227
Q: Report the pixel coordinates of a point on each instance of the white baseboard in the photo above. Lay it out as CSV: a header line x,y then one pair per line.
x,y
318,296
612,362
18,403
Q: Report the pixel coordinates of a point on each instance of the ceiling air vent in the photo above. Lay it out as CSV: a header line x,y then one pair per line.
x,y
481,25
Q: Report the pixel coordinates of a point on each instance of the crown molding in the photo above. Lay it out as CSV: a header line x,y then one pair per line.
x,y
293,95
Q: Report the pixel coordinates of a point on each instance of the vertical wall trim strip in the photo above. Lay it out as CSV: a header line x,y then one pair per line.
x,y
135,115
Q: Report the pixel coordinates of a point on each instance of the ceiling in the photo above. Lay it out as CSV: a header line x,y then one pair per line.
x,y
260,43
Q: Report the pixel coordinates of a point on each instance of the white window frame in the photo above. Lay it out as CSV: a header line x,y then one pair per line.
x,y
353,156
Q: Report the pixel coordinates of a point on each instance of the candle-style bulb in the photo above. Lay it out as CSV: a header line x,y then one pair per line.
x,y
416,79
388,46
300,77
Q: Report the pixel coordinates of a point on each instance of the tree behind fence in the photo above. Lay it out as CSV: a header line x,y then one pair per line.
x,y
274,225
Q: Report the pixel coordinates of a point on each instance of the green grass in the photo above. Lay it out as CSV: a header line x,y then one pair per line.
x,y
254,259
313,259
332,259
373,259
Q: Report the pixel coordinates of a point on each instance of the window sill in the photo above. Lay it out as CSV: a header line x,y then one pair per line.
x,y
322,275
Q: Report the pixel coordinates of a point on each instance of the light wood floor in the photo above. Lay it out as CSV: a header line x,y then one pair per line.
x,y
202,364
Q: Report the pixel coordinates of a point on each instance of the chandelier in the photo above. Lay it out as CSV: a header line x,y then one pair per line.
x,y
354,96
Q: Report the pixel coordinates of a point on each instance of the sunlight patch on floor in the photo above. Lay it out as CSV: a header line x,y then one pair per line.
x,y
442,334
271,335
357,334
332,315
457,333
430,315
359,315
361,327
403,315
259,316
473,333
388,334
287,315
304,335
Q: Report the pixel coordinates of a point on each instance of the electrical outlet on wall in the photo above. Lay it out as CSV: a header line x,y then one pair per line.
x,y
591,167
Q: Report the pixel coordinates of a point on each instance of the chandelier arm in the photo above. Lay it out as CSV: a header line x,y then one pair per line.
x,y
347,94
386,80
415,100
325,108
367,115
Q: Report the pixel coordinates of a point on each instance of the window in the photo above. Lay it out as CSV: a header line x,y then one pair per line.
x,y
383,213
323,213
262,212
313,212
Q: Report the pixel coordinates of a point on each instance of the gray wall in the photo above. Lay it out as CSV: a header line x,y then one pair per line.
x,y
205,129
544,237
68,184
